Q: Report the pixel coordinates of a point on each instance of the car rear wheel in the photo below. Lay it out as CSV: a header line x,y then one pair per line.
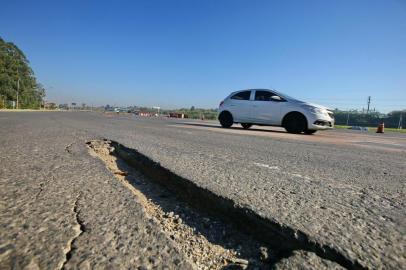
x,y
226,119
310,132
295,123
246,125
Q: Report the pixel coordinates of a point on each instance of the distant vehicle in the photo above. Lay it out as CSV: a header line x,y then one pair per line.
x,y
134,111
116,109
109,109
120,110
266,107
359,128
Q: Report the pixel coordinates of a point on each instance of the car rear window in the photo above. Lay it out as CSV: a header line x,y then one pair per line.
x,y
244,95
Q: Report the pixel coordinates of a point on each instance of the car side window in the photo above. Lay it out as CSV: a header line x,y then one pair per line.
x,y
244,95
264,96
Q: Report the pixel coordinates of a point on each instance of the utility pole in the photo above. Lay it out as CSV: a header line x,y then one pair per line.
x,y
18,89
400,121
158,108
369,102
348,117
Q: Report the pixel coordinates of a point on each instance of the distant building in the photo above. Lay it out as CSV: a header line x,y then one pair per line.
x,y
50,106
146,114
63,106
177,115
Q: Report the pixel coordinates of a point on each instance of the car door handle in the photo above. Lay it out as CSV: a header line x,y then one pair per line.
x,y
255,106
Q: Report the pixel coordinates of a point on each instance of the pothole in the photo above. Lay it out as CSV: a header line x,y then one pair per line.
x,y
208,241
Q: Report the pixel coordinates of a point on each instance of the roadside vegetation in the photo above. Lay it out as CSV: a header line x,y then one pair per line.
x,y
373,129
372,119
17,80
192,113
198,113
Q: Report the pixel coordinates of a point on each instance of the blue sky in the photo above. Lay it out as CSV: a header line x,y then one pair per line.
x,y
183,53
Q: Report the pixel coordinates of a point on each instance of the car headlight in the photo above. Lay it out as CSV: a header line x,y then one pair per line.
x,y
315,110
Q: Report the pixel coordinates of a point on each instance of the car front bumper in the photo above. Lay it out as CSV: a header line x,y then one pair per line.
x,y
320,122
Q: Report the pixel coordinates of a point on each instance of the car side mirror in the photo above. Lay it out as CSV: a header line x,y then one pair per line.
x,y
276,98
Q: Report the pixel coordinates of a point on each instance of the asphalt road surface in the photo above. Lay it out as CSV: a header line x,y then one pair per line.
x,y
342,189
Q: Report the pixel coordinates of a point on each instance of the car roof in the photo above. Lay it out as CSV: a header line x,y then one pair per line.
x,y
256,89
264,89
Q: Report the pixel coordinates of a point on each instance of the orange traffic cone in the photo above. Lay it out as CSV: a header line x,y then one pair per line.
x,y
381,128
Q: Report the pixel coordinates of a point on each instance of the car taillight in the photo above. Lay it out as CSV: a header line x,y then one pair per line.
x,y
221,103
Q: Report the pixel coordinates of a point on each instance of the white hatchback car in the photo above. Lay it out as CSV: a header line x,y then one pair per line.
x,y
269,108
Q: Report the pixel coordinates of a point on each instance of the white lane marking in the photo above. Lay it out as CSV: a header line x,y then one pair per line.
x,y
266,166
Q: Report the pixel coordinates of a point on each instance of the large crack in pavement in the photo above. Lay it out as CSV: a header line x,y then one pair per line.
x,y
214,232
206,240
79,230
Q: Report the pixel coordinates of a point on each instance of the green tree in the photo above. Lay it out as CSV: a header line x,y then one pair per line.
x,y
17,76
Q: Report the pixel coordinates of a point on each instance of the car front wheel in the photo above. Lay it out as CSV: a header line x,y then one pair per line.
x,y
226,119
295,123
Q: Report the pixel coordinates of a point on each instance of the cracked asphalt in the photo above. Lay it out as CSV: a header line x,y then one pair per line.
x,y
62,208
